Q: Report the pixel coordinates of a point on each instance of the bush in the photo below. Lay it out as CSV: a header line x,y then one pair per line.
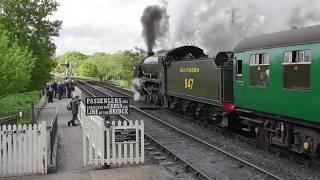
x,y
88,69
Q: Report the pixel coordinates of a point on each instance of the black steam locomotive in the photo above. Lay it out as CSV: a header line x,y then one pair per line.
x,y
185,79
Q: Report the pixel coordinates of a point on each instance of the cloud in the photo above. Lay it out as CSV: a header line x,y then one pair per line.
x,y
215,25
95,25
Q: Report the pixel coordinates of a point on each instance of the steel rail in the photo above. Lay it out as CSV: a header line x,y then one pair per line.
x,y
189,135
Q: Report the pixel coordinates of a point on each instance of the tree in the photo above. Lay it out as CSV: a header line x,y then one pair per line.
x,y
28,23
73,56
88,69
129,60
107,63
16,66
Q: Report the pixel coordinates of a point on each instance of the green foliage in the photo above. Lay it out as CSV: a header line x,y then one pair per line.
x,y
73,56
16,66
129,60
88,69
19,101
119,65
107,63
28,23
24,121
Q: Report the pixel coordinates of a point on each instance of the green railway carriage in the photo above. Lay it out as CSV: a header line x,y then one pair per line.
x,y
277,87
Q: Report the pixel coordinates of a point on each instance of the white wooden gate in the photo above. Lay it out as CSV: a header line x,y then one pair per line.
x,y
23,149
100,146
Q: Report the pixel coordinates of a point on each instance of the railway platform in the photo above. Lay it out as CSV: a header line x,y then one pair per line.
x,y
144,172
69,157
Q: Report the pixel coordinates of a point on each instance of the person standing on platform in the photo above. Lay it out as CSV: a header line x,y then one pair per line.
x,y
74,103
60,90
50,94
47,90
64,89
55,89
68,88
72,85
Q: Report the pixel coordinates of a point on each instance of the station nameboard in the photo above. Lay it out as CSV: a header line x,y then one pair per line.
x,y
107,106
125,135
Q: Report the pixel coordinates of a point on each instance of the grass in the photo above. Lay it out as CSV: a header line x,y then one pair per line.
x,y
10,104
19,101
24,121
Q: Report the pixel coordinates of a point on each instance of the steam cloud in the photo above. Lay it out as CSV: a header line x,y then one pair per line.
x,y
155,22
217,25
136,88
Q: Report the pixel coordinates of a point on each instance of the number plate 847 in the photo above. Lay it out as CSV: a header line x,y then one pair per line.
x,y
188,83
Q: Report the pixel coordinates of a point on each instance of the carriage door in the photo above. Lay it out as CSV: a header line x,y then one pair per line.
x,y
239,80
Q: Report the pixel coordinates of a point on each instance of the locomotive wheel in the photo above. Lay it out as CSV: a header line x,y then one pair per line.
x,y
170,105
191,110
155,98
148,98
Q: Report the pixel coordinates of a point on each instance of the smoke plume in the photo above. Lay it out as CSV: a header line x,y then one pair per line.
x,y
155,22
218,25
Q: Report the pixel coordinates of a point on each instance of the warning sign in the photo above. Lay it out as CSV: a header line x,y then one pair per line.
x,y
107,106
125,135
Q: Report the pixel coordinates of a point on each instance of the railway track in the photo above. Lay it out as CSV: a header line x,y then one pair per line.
x,y
205,159
298,158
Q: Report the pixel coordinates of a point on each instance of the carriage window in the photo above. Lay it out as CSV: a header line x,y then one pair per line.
x,y
300,56
259,69
307,56
259,59
239,70
296,69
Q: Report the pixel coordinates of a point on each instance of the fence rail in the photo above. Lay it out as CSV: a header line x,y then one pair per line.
x,y
8,120
37,107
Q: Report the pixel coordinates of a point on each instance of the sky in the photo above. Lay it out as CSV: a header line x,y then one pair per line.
x,y
100,25
91,26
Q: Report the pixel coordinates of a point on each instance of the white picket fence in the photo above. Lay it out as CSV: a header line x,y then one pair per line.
x,y
100,147
23,149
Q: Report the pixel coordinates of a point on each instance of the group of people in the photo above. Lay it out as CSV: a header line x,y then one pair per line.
x,y
60,89
64,90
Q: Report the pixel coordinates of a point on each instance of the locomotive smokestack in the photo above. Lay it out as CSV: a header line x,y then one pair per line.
x,y
155,25
150,53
